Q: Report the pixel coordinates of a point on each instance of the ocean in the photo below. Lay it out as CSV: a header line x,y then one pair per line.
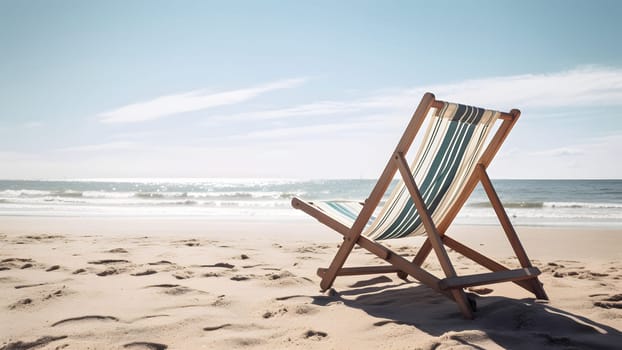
x,y
528,202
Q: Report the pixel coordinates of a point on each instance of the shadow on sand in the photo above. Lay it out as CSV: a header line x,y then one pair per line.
x,y
508,323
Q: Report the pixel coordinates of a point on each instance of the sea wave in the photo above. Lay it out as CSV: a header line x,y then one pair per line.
x,y
154,195
583,205
550,205
24,193
228,195
68,193
508,204
526,202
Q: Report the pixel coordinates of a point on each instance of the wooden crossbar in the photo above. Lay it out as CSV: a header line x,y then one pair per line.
x,y
363,270
438,104
489,278
484,261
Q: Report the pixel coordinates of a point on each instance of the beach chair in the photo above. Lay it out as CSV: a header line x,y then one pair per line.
x,y
459,144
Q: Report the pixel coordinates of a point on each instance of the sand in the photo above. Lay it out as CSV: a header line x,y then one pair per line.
x,y
127,283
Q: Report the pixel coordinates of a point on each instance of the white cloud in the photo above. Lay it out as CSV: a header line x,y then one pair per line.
x,y
189,101
591,158
310,130
110,146
316,108
561,152
590,86
287,140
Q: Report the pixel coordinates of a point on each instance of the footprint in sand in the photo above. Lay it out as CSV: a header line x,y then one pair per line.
x,y
189,242
52,268
612,302
21,304
220,264
270,314
286,278
239,278
55,294
86,318
245,342
306,249
580,274
30,285
571,268
314,335
144,273
108,261
305,309
43,341
182,275
174,289
166,285
110,270
118,251
43,237
215,328
14,263
27,302
212,274
145,345
161,262
221,301
280,275
179,290
386,322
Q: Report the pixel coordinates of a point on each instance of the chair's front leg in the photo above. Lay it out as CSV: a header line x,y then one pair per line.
x,y
340,258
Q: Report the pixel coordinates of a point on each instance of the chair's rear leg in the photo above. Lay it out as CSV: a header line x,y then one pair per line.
x,y
465,306
539,289
510,233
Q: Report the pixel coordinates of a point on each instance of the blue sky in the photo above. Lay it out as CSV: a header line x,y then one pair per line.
x,y
295,89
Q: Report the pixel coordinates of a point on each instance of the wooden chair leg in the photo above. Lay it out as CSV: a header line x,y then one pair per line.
x,y
418,260
511,234
340,258
433,234
465,306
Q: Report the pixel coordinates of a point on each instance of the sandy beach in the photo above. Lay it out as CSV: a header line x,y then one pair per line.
x,y
127,283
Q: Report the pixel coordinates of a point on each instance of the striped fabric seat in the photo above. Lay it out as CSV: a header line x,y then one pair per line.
x,y
453,143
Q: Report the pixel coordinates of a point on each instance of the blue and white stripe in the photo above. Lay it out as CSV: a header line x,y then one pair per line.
x,y
452,145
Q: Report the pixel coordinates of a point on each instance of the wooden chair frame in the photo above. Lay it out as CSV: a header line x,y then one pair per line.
x,y
452,285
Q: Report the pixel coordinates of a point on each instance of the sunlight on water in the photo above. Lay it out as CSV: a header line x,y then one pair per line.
x,y
528,202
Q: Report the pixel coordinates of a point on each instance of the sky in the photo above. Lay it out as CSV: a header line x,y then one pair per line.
x,y
299,89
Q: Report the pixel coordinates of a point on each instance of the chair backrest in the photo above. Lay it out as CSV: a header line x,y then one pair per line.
x,y
456,138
